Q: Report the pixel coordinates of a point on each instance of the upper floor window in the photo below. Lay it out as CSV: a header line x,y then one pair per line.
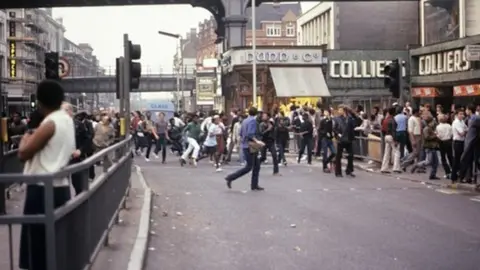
x,y
441,21
274,30
290,30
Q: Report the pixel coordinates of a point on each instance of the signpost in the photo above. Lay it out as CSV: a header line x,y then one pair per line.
x,y
63,67
472,52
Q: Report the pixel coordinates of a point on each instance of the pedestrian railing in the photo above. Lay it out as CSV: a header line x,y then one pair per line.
x,y
9,163
365,147
75,231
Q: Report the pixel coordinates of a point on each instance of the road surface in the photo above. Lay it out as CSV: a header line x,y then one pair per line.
x,y
306,220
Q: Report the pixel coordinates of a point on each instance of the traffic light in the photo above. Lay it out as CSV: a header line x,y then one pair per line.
x,y
134,53
393,75
51,66
33,102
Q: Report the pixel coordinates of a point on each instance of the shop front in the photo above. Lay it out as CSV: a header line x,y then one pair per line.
x,y
445,74
356,77
290,75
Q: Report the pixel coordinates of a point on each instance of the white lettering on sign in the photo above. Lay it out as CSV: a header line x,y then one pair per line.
x,y
359,69
282,57
443,62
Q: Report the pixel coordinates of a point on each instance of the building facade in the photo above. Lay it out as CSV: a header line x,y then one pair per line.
x,y
29,34
275,26
388,25
25,36
445,67
361,38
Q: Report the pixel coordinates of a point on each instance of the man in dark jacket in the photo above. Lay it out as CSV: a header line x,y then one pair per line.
x,y
267,132
344,127
282,125
470,145
326,135
83,145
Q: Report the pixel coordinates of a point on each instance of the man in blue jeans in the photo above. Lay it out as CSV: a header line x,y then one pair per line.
x,y
248,133
325,132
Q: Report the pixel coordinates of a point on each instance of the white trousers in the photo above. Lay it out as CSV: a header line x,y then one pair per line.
x,y
392,151
192,146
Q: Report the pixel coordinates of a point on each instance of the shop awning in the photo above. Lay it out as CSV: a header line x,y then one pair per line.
x,y
466,90
424,92
299,82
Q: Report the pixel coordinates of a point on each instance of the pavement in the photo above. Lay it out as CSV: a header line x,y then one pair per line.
x,y
306,220
374,167
122,238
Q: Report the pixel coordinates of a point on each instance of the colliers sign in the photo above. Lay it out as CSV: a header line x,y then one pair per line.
x,y
443,62
358,69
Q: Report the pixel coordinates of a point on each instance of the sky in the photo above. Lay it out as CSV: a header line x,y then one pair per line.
x,y
103,29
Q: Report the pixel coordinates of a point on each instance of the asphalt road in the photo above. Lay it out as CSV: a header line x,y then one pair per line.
x,y
306,220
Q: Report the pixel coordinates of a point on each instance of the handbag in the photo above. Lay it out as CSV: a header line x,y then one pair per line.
x,y
255,145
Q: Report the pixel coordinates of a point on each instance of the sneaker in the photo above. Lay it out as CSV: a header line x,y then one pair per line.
x,y
182,162
194,162
156,156
147,159
218,170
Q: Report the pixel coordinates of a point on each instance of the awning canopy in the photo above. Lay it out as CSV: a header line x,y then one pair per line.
x,y
299,82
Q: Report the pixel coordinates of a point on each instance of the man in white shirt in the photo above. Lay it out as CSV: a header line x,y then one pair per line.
x,y
459,130
444,134
414,128
45,149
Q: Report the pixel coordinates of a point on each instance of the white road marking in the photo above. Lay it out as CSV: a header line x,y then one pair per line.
x,y
475,199
447,191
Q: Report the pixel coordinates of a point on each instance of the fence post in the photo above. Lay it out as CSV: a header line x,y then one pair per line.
x,y
49,220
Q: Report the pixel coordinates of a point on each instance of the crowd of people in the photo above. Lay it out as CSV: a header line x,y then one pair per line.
x,y
412,138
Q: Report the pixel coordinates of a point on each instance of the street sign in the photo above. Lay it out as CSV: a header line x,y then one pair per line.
x,y
473,52
63,67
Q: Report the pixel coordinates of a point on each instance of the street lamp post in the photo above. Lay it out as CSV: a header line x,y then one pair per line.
x,y
254,53
178,64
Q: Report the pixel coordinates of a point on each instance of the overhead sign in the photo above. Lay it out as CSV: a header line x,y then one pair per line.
x,y
359,69
63,67
473,52
443,62
12,46
283,57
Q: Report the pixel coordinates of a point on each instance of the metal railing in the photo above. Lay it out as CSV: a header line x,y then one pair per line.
x,y
75,231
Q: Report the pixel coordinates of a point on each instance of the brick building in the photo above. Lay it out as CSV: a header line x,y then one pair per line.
x,y
275,26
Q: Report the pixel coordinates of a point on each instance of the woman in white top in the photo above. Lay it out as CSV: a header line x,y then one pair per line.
x,y
45,149
444,134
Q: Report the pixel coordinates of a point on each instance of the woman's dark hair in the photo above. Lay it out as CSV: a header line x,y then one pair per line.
x,y
50,94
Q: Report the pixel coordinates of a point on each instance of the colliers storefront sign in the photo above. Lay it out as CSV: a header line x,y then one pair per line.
x,y
364,69
443,62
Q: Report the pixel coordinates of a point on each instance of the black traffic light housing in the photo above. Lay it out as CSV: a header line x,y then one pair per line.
x,y
33,102
393,76
51,66
134,53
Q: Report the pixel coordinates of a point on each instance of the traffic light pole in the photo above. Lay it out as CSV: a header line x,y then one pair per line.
x,y
401,82
126,79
